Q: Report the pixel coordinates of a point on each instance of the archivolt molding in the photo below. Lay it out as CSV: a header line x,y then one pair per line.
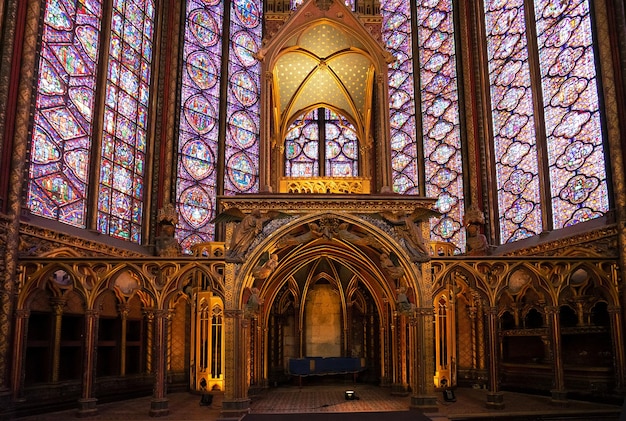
x,y
371,241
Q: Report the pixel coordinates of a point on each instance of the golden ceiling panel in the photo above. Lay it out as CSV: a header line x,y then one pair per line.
x,y
323,65
324,40
291,70
352,69
322,88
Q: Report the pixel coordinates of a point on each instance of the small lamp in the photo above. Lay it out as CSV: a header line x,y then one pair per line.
x,y
350,395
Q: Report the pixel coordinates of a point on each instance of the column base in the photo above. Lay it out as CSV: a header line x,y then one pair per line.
x,y
234,409
159,407
424,403
559,398
8,407
399,389
87,408
495,400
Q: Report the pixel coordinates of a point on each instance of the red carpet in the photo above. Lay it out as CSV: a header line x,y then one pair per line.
x,y
340,416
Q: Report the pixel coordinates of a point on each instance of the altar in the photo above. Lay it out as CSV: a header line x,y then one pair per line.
x,y
325,366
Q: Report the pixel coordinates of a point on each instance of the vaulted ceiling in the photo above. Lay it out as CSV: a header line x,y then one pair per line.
x,y
323,66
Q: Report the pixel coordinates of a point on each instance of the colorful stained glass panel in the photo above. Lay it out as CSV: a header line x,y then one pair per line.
x,y
397,34
62,125
242,137
127,93
578,180
513,123
198,146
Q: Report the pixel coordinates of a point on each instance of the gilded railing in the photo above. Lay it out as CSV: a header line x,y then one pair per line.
x,y
318,185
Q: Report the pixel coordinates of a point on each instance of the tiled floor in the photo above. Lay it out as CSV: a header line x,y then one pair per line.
x,y
470,403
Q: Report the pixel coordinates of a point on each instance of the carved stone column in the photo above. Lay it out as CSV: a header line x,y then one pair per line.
x,y
149,315
385,335
159,403
400,385
124,314
495,399
423,397
21,20
559,394
87,402
347,349
393,350
57,306
384,168
617,335
236,402
472,317
268,143
480,337
19,353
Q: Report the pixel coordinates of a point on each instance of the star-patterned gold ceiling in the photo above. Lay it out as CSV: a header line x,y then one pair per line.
x,y
323,65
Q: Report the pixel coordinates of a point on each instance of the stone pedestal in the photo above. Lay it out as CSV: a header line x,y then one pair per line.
x,y
495,400
159,407
424,403
87,408
399,389
559,398
234,409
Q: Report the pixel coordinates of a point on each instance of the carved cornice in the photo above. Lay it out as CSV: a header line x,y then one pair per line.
x,y
579,330
525,332
339,203
602,241
36,241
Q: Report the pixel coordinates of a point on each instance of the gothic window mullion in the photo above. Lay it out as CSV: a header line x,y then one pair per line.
x,y
539,117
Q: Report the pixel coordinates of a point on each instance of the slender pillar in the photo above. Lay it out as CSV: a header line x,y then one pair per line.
x,y
617,335
57,306
19,354
472,316
124,314
423,397
559,394
87,402
236,402
480,337
149,314
495,399
159,403
400,385
393,350
385,378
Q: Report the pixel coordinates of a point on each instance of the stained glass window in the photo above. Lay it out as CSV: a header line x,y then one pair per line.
x,y
443,164
242,136
342,146
64,107
196,187
512,119
122,169
397,34
303,155
443,168
578,184
577,179
302,147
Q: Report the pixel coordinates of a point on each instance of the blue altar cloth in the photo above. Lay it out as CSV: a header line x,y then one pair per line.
x,y
312,366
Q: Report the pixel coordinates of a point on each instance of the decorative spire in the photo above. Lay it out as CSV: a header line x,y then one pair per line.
x,y
474,216
167,214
